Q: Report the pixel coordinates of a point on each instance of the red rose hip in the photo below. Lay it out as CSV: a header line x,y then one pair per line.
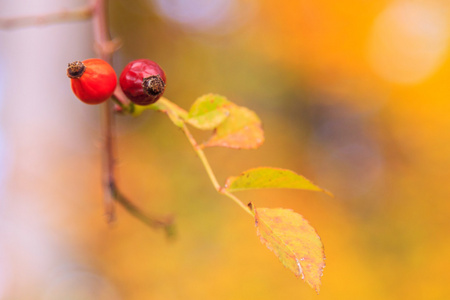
x,y
93,80
143,81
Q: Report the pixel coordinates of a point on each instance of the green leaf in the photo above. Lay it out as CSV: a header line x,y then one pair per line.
x,y
241,130
294,242
266,177
208,112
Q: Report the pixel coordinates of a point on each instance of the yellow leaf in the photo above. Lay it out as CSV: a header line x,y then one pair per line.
x,y
294,242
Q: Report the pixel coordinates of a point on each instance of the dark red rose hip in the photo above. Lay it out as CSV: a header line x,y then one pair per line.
x,y
143,81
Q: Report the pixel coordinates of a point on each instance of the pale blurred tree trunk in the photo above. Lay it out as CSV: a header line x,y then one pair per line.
x,y
49,148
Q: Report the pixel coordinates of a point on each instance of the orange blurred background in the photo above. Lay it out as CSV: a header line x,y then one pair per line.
x,y
352,94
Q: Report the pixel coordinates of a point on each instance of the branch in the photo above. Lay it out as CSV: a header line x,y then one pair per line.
x,y
101,36
105,48
80,14
166,224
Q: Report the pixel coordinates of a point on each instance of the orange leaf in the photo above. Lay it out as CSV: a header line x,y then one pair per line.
x,y
294,242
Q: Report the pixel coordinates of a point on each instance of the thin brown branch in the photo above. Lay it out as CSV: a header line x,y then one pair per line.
x,y
108,163
63,16
101,36
166,223
105,47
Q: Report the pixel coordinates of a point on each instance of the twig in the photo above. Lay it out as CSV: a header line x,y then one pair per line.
x,y
101,36
153,222
120,96
109,164
123,104
211,175
80,14
104,50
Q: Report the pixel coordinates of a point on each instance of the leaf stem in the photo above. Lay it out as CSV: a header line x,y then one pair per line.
x,y
202,157
237,201
210,172
123,105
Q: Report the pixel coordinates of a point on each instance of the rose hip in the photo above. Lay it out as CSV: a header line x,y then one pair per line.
x,y
143,81
93,80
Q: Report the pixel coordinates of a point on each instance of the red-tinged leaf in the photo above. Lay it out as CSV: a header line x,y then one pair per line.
x,y
241,130
266,177
294,242
208,112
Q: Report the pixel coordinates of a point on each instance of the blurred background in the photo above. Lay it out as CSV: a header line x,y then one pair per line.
x,y
352,94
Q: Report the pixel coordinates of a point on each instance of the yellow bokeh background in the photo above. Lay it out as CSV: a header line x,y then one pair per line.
x,y
352,95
